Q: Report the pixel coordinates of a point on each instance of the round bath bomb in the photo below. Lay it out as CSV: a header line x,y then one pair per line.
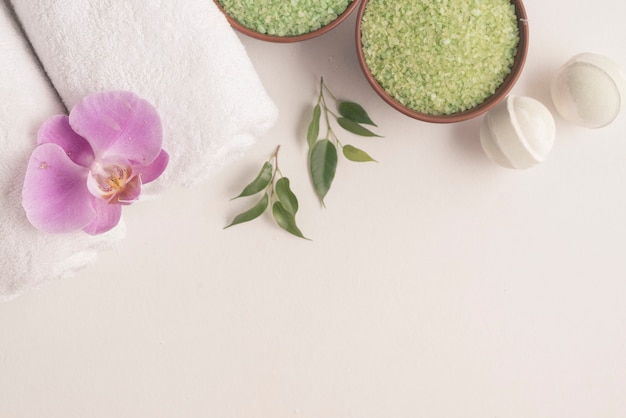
x,y
518,133
589,90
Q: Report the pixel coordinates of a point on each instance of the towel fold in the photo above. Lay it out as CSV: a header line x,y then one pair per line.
x,y
180,55
29,257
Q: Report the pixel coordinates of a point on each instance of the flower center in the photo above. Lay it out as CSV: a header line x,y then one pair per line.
x,y
114,182
117,178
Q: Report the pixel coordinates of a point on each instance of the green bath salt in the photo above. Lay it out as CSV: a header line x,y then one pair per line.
x,y
440,57
284,17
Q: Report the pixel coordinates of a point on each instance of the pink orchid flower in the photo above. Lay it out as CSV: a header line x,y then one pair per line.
x,y
90,163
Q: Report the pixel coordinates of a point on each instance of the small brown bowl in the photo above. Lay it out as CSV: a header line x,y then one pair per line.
x,y
500,93
285,39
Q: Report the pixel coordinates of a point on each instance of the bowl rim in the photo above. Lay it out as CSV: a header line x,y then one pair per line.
x,y
500,93
287,39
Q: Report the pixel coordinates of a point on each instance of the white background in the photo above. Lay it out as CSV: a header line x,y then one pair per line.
x,y
437,284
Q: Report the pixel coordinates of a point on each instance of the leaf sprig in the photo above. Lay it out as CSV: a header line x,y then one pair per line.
x,y
275,189
276,193
323,158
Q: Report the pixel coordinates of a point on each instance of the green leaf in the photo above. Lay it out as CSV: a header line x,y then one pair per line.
x,y
354,154
259,183
286,196
314,126
252,213
322,166
285,219
354,127
355,112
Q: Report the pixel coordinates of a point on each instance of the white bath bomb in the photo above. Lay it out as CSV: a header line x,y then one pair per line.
x,y
589,90
518,133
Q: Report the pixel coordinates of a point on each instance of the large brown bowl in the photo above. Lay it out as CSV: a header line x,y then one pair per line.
x,y
497,96
285,39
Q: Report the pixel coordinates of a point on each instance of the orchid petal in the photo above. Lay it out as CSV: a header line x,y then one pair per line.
x,y
119,123
153,170
55,196
57,130
107,216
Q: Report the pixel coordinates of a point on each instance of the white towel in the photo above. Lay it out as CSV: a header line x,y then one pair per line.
x,y
29,257
181,55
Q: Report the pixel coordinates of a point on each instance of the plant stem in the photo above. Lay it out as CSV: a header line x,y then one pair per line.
x,y
329,130
324,86
275,156
270,186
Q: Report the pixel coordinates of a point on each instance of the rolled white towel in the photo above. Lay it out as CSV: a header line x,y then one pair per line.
x,y
180,55
29,257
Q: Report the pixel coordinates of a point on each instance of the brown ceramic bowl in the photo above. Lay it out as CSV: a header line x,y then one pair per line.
x,y
499,94
285,39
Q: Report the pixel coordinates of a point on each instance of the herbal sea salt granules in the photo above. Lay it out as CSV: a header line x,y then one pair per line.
x,y
284,17
439,56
